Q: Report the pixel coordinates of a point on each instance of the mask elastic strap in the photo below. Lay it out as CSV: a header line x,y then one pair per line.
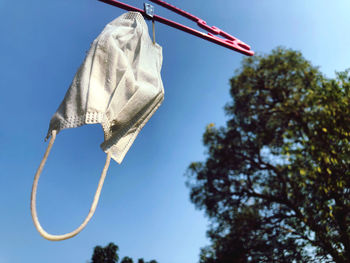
x,y
34,190
154,32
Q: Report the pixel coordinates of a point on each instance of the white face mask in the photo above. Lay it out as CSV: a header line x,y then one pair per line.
x,y
119,86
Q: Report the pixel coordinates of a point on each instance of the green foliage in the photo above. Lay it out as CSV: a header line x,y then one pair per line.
x,y
108,254
276,181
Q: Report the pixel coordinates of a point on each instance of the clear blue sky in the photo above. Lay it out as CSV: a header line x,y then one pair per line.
x,y
144,207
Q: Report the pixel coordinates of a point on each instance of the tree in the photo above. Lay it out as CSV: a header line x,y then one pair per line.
x,y
276,180
142,261
108,254
127,260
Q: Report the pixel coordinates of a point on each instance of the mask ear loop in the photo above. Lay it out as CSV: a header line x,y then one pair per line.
x,y
42,232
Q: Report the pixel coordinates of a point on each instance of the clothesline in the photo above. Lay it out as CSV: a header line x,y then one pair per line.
x,y
230,42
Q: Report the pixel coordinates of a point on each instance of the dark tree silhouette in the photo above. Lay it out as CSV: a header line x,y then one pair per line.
x,y
108,254
276,180
127,260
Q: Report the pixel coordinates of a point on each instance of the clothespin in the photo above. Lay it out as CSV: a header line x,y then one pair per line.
x,y
149,10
